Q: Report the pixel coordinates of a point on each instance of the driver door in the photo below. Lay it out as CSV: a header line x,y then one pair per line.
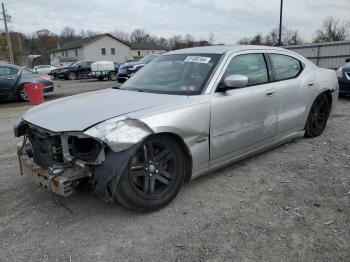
x,y
9,77
243,119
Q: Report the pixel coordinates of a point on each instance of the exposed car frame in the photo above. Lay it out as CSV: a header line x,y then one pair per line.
x,y
191,122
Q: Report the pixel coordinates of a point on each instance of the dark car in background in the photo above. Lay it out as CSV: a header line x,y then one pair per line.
x,y
343,74
13,78
128,69
75,70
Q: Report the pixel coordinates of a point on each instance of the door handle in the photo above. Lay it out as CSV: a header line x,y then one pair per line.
x,y
11,77
270,92
311,84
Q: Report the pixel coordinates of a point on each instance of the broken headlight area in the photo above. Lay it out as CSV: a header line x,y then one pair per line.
x,y
56,150
59,161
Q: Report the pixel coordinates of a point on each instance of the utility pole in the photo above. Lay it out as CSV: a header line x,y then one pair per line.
x,y
7,34
280,28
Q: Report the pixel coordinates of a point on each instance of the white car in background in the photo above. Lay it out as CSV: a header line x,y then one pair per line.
x,y
45,69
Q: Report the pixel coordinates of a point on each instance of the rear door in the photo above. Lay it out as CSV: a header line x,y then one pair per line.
x,y
9,77
294,91
243,119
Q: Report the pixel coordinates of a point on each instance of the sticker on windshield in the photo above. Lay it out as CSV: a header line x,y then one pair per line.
x,y
197,59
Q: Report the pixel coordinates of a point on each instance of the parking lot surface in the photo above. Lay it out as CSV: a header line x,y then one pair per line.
x,y
291,203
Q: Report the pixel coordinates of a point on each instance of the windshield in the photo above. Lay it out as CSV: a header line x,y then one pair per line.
x,y
74,64
175,74
27,71
147,58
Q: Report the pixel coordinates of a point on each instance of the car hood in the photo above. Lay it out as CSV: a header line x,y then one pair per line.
x,y
79,112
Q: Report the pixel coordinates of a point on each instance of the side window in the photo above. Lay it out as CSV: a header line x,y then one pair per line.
x,y
252,66
14,71
5,71
285,67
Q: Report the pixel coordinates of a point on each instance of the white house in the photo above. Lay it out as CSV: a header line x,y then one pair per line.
x,y
102,47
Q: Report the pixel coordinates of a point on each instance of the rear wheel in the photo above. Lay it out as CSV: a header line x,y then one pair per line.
x,y
22,94
112,76
72,76
318,116
154,175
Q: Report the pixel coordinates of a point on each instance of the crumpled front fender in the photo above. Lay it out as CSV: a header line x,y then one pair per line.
x,y
120,134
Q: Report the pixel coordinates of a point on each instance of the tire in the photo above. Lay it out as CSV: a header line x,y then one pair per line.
x,y
154,175
22,94
318,116
112,76
72,76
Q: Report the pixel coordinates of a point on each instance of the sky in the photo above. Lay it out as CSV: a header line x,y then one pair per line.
x,y
229,20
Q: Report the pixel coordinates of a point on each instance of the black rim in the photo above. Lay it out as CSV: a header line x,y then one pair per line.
x,y
319,114
152,170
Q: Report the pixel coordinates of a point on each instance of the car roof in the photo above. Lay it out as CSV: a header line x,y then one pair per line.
x,y
9,65
221,49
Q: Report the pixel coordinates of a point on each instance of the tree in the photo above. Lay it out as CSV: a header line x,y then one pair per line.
x,y
292,38
120,35
139,36
68,34
330,31
211,38
289,37
258,39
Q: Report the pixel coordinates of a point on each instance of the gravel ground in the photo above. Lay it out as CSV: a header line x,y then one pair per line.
x,y
291,203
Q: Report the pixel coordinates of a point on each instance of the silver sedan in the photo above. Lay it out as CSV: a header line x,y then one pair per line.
x,y
186,113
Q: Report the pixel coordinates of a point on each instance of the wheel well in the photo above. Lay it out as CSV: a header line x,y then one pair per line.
x,y
16,93
185,150
328,94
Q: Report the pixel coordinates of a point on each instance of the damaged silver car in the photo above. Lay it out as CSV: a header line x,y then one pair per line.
x,y
186,113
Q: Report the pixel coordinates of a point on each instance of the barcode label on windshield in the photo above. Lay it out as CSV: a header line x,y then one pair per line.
x,y
197,59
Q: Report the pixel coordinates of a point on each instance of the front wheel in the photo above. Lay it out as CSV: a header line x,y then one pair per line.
x,y
154,175
318,116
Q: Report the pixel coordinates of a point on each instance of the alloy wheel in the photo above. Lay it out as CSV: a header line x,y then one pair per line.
x,y
152,170
23,94
319,114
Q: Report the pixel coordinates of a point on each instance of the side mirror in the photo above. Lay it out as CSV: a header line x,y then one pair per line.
x,y
347,60
234,81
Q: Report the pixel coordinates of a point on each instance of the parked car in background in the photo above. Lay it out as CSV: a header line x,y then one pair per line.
x,y
343,74
75,70
13,78
54,72
45,69
104,69
186,113
128,69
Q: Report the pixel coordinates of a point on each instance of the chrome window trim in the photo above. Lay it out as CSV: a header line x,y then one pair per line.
x,y
229,55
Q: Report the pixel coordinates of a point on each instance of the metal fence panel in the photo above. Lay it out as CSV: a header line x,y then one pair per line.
x,y
327,55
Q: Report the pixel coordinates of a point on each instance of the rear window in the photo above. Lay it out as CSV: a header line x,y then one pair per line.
x,y
285,67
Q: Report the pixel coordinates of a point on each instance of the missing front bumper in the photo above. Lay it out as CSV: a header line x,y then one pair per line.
x,y
60,183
